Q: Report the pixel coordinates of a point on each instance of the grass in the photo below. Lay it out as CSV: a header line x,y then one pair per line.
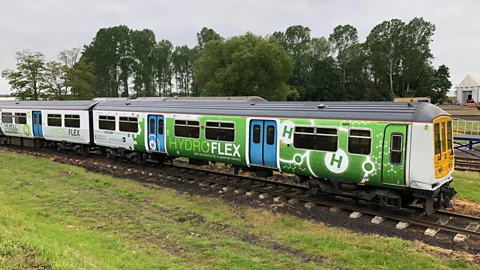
x,y
467,184
59,216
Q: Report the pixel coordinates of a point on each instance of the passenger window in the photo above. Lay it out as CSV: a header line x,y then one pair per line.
x,y
449,135
128,124
359,142
54,120
270,135
316,138
187,129
72,121
106,122
220,131
256,134
444,147
396,149
438,142
160,126
7,118
152,126
20,118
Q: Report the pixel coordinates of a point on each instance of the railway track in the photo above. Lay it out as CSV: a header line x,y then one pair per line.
x,y
462,227
467,164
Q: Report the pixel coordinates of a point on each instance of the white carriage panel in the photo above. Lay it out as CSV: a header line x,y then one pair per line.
x,y
79,135
422,173
15,129
120,139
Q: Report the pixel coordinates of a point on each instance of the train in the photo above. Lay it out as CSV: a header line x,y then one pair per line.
x,y
392,154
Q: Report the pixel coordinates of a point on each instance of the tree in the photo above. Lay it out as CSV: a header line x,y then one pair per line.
x,y
163,67
296,42
384,44
110,53
141,61
80,79
27,79
205,35
244,65
417,54
54,81
183,68
342,39
440,84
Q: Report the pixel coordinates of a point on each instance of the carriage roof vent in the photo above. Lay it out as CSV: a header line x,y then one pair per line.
x,y
127,103
409,104
252,103
17,102
321,106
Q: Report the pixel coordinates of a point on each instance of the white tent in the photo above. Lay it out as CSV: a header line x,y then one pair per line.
x,y
469,89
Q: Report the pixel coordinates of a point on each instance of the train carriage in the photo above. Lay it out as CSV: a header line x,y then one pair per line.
x,y
64,124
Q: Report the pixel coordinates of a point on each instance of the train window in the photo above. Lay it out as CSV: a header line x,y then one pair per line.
x,y
20,118
438,142
256,134
152,126
7,118
72,121
359,142
220,131
270,135
54,120
449,136
444,147
106,122
396,149
128,124
187,129
160,126
316,138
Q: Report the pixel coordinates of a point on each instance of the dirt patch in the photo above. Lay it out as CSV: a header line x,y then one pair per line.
x,y
467,208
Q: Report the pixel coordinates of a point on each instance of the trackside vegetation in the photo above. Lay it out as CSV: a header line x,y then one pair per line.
x,y
467,185
56,216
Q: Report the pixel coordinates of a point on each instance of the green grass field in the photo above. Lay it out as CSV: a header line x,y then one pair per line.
x,y
467,185
61,217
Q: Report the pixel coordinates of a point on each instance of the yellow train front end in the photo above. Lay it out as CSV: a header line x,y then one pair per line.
x,y
443,146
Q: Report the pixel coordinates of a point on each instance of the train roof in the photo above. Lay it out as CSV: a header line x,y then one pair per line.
x,y
226,98
370,111
49,104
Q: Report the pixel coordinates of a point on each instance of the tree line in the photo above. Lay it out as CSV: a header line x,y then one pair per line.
x,y
395,60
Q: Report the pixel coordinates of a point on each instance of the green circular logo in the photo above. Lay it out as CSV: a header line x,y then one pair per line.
x,y
26,130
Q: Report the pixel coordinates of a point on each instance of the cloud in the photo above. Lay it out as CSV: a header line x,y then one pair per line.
x,y
53,25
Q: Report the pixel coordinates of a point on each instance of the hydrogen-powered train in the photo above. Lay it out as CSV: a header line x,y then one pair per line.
x,y
385,152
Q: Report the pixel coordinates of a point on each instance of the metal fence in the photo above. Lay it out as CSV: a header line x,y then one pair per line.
x,y
466,126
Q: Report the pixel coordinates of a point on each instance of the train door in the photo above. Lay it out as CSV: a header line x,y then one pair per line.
x,y
263,143
442,130
156,133
394,148
37,124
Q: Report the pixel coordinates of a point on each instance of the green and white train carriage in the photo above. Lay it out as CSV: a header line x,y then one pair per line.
x,y
60,124
390,152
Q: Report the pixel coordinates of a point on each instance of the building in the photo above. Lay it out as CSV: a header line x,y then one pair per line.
x,y
469,89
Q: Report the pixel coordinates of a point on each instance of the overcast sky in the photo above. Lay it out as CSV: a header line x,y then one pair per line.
x,y
49,26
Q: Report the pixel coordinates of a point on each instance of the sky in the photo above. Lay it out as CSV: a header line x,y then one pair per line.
x,y
50,26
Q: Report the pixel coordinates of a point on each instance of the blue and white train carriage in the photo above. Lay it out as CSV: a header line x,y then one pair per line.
x,y
62,123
